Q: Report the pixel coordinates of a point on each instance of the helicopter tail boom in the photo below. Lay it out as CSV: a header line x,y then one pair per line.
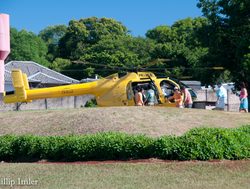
x,y
22,92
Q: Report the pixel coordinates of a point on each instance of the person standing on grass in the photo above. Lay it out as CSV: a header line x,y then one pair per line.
x,y
243,98
187,99
139,97
221,94
177,97
150,96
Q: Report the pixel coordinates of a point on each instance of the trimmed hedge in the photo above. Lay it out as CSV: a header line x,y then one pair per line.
x,y
196,144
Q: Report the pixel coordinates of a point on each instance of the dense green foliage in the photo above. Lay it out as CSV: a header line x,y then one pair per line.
x,y
228,36
91,103
27,46
101,46
52,35
197,144
181,45
86,32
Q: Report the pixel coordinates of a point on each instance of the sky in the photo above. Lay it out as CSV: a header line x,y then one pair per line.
x,y
137,15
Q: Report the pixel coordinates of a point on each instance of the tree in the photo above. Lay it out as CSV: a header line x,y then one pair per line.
x,y
117,55
229,37
52,35
60,64
86,32
181,44
27,46
161,34
103,46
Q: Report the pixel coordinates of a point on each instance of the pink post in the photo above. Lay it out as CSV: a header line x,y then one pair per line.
x,y
4,46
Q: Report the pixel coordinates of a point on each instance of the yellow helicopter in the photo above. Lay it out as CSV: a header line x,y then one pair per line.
x,y
109,91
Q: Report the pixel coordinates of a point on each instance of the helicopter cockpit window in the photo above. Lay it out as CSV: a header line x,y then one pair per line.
x,y
167,88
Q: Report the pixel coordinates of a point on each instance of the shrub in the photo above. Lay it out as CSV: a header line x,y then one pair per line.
x,y
6,150
167,147
104,146
26,148
91,103
197,144
215,143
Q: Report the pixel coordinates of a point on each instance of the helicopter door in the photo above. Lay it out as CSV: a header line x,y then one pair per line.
x,y
130,94
157,100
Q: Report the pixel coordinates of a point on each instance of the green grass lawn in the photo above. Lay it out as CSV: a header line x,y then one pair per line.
x,y
175,175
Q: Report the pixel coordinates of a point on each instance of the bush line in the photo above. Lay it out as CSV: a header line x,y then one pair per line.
x,y
196,144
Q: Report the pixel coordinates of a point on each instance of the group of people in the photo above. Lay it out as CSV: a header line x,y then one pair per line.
x,y
145,97
221,94
181,97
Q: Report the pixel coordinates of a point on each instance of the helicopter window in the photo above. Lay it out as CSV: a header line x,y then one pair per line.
x,y
130,92
145,86
167,88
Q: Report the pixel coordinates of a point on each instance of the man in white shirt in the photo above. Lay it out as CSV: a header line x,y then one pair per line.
x,y
221,94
